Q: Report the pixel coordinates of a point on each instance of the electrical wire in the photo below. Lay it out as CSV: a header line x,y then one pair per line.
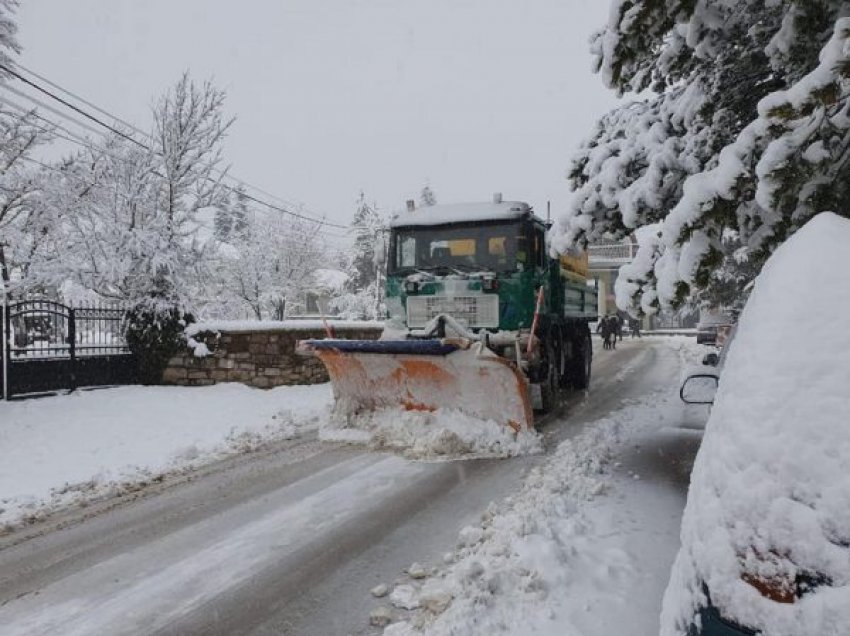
x,y
88,144
135,128
91,117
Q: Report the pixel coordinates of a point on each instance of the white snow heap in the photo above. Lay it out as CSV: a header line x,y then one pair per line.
x,y
770,491
444,433
547,558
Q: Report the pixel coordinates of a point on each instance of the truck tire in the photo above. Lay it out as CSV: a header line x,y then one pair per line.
x,y
582,358
550,387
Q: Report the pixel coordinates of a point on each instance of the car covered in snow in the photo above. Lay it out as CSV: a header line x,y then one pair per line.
x,y
766,529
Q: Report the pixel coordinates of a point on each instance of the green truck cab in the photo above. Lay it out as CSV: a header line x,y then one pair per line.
x,y
483,265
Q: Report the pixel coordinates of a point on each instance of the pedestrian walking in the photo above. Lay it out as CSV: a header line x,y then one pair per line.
x,y
634,325
604,329
614,322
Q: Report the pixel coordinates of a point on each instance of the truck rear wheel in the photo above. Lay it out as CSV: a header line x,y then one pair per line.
x,y
582,358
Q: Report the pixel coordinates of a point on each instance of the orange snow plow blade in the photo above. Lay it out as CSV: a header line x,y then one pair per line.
x,y
424,376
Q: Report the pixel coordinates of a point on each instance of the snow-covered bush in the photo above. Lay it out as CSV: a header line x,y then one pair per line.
x,y
155,333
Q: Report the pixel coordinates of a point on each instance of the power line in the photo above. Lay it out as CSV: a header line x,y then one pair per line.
x,y
49,108
82,100
85,143
136,129
224,174
88,144
85,114
304,233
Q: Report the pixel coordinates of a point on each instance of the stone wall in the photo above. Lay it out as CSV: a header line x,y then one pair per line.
x,y
263,358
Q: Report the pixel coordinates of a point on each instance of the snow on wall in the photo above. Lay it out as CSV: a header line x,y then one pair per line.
x,y
248,326
261,358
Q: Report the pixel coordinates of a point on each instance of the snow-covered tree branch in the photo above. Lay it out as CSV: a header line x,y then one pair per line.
x,y
746,136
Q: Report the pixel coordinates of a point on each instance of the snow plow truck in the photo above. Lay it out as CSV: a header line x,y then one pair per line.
x,y
480,319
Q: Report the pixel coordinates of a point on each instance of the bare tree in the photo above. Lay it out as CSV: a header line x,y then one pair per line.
x,y
131,211
268,266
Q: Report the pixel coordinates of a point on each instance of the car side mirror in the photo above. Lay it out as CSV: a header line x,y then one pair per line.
x,y
699,388
711,360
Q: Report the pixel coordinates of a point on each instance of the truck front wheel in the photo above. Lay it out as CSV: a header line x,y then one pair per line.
x,y
550,386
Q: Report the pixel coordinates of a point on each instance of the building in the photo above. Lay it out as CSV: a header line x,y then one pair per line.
x,y
605,260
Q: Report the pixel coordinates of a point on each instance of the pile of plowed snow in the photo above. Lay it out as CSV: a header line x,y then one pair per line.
x,y
542,558
441,434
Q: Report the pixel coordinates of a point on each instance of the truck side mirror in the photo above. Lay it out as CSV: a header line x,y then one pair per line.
x,y
699,388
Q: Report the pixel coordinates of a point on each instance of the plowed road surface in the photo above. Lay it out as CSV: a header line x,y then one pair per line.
x,y
290,540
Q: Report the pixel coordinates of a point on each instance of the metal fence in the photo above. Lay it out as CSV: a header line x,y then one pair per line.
x,y
49,346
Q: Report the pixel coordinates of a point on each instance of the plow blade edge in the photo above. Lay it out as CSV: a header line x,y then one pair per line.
x,y
424,376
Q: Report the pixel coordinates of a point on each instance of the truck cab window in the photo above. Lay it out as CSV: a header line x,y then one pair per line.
x,y
406,251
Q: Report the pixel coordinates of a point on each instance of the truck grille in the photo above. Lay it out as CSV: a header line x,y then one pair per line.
x,y
474,311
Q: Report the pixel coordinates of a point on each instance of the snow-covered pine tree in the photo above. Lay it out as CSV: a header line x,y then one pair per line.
x,y
366,268
366,227
746,130
427,197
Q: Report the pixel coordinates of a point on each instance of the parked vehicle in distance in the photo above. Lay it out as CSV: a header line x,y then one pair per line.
x,y
713,327
766,530
700,386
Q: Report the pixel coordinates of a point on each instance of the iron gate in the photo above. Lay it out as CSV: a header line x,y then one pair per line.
x,y
51,346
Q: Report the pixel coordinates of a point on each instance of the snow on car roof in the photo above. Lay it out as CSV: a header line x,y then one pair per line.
x,y
460,213
770,489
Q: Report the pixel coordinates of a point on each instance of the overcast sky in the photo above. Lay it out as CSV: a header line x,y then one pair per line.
x,y
335,96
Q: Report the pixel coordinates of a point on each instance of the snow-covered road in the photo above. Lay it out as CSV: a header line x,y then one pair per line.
x,y
291,541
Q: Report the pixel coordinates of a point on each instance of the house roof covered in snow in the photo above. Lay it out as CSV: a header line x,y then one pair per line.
x,y
461,213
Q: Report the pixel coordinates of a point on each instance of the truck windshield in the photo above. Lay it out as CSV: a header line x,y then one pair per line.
x,y
490,247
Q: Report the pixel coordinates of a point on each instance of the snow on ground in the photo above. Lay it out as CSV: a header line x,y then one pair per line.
x,y
70,449
570,552
442,434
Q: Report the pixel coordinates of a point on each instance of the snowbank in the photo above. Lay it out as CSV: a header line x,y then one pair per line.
x,y
770,491
547,558
442,434
75,448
